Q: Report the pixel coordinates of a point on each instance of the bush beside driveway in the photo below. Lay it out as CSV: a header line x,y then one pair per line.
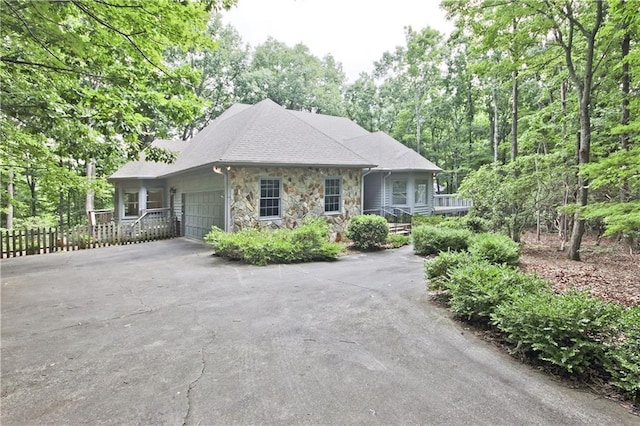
x,y
165,333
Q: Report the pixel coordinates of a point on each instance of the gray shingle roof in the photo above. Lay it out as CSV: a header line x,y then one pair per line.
x,y
142,169
268,134
388,153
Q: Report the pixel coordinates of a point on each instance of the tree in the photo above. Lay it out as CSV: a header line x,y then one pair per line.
x,y
83,80
220,67
294,78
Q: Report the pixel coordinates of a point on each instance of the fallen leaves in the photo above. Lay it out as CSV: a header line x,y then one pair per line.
x,y
607,270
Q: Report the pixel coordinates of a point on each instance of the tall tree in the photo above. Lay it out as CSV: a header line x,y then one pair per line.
x,y
84,79
294,78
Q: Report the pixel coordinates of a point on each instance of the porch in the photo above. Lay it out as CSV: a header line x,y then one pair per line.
x,y
450,204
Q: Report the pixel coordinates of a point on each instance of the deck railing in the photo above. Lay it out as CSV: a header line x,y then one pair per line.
x,y
446,203
20,242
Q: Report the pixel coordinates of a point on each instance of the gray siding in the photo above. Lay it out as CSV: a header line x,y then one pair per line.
x,y
378,191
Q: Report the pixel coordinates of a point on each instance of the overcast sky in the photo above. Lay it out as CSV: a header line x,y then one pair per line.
x,y
355,32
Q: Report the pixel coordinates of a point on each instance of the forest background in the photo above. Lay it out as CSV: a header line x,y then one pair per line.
x,y
530,107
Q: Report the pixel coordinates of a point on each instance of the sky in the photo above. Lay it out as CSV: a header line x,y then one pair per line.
x,y
355,32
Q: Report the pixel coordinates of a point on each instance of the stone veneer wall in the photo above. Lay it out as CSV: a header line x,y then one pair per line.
x,y
302,195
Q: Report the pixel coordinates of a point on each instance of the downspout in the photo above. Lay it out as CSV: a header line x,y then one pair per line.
x,y
384,192
227,196
362,190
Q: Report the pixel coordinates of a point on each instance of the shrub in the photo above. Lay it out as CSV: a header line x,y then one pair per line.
x,y
477,224
570,331
432,240
439,268
495,248
477,288
261,247
367,231
623,358
432,220
397,240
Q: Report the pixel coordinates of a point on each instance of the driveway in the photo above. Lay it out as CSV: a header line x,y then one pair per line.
x,y
164,333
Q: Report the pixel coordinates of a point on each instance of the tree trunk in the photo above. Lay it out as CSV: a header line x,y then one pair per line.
x,y
91,175
626,82
10,200
495,125
584,87
514,117
582,197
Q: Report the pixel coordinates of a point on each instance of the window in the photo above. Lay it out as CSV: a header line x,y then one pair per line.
x,y
130,203
332,191
269,197
155,199
421,192
399,192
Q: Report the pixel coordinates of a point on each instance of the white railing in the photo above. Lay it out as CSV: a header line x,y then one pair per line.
x,y
451,202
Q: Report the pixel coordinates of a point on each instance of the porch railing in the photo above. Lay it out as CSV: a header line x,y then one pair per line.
x,y
450,203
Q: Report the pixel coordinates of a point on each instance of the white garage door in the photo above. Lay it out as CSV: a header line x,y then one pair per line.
x,y
200,211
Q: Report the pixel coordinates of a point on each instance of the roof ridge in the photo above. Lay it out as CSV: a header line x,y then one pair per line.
x,y
292,113
254,112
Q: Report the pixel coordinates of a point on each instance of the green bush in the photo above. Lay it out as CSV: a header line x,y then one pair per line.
x,y
432,240
439,268
570,330
261,247
477,288
495,248
623,357
398,240
432,220
477,224
367,231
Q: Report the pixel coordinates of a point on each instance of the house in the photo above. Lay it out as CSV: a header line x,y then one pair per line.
x,y
264,166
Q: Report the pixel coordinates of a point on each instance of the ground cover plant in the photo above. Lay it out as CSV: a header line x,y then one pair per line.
x,y
574,334
308,242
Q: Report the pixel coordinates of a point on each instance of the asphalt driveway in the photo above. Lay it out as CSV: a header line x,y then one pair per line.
x,y
164,333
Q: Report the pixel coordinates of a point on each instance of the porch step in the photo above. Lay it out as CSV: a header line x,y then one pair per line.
x,y
400,228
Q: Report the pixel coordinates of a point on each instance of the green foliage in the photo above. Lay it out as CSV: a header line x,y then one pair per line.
x,y
292,77
477,288
432,240
474,224
507,196
433,220
477,224
367,231
571,331
309,242
36,222
397,240
495,248
623,357
438,269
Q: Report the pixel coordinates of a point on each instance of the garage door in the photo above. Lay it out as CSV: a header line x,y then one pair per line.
x,y
200,211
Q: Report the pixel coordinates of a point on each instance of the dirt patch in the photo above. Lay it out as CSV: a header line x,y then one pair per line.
x,y
607,269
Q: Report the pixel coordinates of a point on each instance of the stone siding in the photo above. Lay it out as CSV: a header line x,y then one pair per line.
x,y
302,195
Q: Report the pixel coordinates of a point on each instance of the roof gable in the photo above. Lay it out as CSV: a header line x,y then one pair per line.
x,y
388,153
142,169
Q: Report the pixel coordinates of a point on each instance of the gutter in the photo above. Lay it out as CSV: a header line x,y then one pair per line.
x,y
227,196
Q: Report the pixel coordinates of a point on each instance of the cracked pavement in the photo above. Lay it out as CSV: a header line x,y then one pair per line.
x,y
164,333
